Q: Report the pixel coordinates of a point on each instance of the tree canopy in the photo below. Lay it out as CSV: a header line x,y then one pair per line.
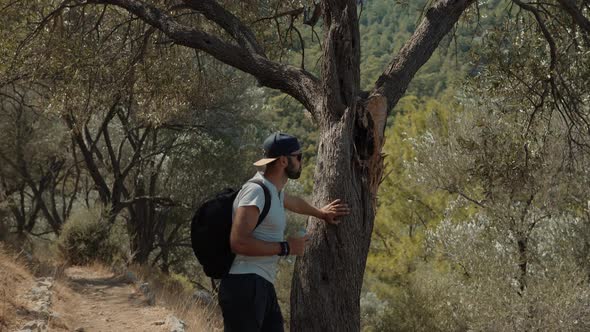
x,y
450,127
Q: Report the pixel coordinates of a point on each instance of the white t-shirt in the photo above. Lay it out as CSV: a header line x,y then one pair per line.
x,y
271,229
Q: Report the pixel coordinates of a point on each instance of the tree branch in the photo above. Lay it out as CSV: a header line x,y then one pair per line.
x,y
570,7
229,22
89,161
293,81
545,31
437,22
292,13
136,154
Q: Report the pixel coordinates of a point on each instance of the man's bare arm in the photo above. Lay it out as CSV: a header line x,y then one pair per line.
x,y
244,243
329,213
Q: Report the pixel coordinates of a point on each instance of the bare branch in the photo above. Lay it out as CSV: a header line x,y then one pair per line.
x,y
292,28
454,190
136,154
315,15
292,13
89,161
544,30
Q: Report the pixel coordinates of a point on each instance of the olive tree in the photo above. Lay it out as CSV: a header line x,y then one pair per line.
x,y
328,278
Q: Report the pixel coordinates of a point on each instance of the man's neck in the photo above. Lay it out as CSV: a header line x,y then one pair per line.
x,y
278,179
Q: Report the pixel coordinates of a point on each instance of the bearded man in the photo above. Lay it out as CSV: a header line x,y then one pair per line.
x,y
247,295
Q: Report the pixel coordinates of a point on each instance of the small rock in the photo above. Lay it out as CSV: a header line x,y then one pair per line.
x,y
45,282
31,325
36,293
145,287
34,326
159,322
131,276
203,297
80,329
175,324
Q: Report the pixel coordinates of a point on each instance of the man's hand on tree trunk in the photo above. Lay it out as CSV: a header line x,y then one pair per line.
x,y
334,210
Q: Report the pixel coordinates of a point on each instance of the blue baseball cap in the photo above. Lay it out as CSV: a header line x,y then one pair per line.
x,y
277,145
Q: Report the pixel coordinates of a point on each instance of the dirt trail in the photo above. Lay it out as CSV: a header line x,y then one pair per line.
x,y
93,300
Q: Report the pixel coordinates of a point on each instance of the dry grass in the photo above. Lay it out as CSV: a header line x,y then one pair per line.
x,y
14,280
176,295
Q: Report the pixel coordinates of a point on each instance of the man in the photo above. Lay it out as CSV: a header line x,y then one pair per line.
x,y
247,295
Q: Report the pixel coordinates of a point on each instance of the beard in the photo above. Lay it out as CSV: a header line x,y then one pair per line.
x,y
292,172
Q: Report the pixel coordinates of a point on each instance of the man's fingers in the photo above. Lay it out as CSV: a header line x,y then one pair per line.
x,y
336,209
341,206
343,210
339,210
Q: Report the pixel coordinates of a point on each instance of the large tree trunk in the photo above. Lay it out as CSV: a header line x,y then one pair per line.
x,y
142,239
328,278
141,225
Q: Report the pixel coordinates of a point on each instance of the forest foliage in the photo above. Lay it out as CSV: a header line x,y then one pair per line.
x,y
483,220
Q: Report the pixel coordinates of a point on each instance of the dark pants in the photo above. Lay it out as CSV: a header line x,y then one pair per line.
x,y
249,304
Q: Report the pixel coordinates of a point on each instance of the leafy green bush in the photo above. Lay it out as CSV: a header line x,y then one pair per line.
x,y
87,237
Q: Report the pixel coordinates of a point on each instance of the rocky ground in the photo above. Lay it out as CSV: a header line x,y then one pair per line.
x,y
94,300
90,299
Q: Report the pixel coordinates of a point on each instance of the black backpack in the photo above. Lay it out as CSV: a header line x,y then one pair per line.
x,y
210,229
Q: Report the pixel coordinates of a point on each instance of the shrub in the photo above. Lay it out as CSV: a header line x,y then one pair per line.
x,y
88,237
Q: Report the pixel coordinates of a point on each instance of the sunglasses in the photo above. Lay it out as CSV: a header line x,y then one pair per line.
x,y
298,156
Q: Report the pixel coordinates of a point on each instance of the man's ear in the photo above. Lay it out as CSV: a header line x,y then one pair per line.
x,y
283,160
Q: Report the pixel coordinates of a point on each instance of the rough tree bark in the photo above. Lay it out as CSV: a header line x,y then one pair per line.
x,y
328,278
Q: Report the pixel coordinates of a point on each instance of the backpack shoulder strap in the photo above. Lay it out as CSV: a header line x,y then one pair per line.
x,y
267,200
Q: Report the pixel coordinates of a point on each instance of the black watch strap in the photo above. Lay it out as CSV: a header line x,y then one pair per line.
x,y
284,248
